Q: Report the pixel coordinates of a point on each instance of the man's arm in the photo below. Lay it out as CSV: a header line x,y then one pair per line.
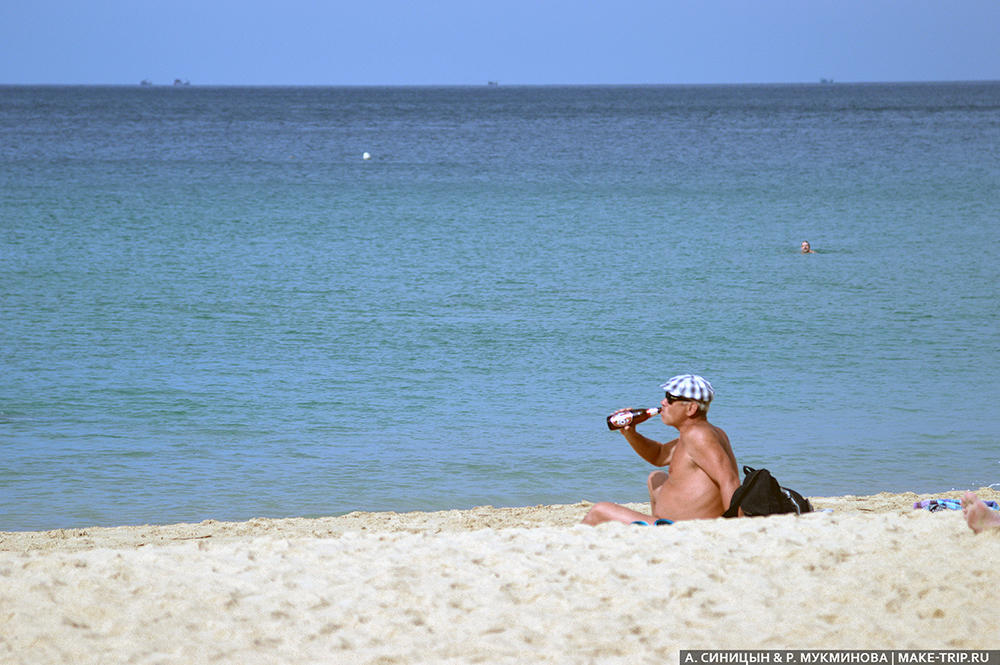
x,y
709,453
654,452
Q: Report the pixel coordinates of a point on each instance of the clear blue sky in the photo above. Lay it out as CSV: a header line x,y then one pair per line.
x,y
393,42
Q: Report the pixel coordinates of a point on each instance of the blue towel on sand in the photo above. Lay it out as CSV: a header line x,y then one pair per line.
x,y
935,505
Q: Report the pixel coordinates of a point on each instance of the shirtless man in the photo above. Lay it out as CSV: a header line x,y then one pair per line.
x,y
703,472
978,515
806,249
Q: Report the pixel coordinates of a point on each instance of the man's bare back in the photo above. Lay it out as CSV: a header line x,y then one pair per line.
x,y
703,471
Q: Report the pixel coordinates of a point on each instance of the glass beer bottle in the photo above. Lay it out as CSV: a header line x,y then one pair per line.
x,y
624,418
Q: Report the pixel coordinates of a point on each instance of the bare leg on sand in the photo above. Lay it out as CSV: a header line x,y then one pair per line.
x,y
612,512
978,514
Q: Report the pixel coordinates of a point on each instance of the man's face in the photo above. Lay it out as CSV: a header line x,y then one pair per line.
x,y
805,247
671,408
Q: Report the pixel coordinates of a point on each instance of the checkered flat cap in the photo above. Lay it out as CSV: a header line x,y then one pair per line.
x,y
691,386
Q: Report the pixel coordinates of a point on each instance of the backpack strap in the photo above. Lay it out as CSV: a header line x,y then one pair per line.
x,y
734,504
737,498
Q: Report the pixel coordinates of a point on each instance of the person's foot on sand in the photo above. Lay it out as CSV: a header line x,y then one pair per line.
x,y
978,514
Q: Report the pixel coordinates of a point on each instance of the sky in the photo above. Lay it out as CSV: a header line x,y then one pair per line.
x,y
470,42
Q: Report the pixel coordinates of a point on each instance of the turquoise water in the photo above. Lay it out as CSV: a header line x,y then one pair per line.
x,y
212,307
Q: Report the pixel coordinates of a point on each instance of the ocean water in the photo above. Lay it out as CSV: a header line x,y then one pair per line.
x,y
212,307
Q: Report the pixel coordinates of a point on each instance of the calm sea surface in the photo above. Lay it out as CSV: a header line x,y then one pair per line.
x,y
212,307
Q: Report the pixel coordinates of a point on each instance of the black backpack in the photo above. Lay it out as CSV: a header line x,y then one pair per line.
x,y
760,494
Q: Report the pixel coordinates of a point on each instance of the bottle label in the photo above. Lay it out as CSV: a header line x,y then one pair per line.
x,y
621,419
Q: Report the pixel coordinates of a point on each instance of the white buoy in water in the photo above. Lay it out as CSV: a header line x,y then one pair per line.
x,y
366,156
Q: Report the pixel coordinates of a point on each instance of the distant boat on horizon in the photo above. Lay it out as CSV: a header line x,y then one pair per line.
x,y
179,82
492,83
826,81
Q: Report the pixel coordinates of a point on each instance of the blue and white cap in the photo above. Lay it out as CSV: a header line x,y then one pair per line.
x,y
690,386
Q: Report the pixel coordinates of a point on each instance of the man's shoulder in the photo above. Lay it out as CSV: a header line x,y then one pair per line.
x,y
720,434
707,434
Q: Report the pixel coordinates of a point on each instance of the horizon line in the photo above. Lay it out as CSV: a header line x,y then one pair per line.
x,y
146,83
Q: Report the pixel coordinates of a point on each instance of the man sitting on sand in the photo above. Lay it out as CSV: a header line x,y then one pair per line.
x,y
978,514
703,472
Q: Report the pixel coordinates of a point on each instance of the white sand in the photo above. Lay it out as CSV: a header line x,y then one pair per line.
x,y
517,585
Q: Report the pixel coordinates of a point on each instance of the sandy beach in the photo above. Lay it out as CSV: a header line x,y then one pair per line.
x,y
500,585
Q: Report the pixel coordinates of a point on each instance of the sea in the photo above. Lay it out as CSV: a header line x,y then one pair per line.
x,y
236,302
